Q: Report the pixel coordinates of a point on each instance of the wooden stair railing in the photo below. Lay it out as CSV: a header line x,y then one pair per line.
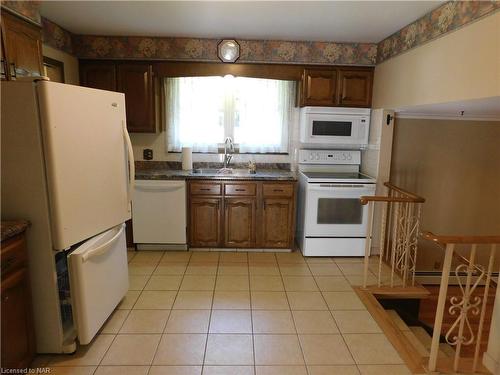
x,y
461,333
399,231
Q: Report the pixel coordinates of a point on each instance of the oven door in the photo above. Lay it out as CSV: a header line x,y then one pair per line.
x,y
334,210
335,129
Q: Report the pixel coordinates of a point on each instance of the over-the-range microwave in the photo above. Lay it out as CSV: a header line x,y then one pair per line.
x,y
337,127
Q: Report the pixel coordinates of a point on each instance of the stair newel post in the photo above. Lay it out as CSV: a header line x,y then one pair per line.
x,y
483,307
443,291
382,242
395,240
368,243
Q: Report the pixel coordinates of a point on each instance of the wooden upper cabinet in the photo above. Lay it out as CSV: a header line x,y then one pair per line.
x,y
355,88
336,86
98,76
319,87
136,82
205,221
22,47
239,222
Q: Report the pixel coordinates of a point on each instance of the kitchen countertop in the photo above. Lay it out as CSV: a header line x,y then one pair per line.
x,y
211,174
11,228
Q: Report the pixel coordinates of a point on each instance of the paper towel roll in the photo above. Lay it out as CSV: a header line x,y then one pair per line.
x,y
187,158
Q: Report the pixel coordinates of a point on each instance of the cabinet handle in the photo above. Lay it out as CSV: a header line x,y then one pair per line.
x,y
278,190
205,189
3,71
240,189
6,298
13,72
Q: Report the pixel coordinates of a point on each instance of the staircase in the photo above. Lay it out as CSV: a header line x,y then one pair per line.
x,y
460,321
419,338
421,343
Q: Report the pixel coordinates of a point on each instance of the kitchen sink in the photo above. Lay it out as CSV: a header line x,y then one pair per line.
x,y
222,171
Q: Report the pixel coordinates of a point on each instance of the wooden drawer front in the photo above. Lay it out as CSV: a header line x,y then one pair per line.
x,y
240,189
205,189
277,190
13,254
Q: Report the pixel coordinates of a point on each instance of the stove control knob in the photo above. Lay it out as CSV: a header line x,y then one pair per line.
x,y
311,156
317,156
349,157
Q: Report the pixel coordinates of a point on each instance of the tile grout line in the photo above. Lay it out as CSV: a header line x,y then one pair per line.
x,y
210,314
116,335
251,316
293,320
170,312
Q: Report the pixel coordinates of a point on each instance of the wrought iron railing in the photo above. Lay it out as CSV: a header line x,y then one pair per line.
x,y
468,274
399,214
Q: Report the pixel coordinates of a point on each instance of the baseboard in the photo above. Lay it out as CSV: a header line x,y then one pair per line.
x,y
161,247
434,277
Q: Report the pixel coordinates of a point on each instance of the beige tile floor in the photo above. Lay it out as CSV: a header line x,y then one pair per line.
x,y
236,313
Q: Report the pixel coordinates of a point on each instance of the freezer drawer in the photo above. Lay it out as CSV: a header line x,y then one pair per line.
x,y
98,273
159,212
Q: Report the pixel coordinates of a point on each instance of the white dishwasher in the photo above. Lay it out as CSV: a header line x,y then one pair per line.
x,y
159,214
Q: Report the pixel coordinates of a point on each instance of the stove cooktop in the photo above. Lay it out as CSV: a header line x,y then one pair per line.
x,y
337,177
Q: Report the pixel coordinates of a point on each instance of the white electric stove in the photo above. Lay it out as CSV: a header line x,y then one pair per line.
x,y
330,219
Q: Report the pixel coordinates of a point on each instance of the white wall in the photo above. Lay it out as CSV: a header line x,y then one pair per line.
x,y
462,65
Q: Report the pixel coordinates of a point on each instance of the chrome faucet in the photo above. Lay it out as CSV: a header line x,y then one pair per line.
x,y
228,156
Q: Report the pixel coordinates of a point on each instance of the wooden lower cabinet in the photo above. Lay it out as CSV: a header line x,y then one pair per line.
x,y
256,214
18,340
239,222
205,222
277,222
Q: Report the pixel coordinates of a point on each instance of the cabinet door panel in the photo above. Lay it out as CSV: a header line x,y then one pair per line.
x,y
98,76
17,331
355,88
277,222
23,46
136,82
320,87
239,220
205,222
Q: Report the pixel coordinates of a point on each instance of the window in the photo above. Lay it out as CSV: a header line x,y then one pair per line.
x,y
202,111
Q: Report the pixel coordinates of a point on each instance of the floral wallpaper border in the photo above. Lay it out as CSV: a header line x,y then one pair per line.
x,y
56,36
262,51
26,9
445,18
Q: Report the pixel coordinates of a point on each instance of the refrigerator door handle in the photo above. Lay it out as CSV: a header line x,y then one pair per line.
x,y
104,247
131,162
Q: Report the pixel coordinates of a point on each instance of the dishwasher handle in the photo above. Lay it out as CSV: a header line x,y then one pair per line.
x,y
165,187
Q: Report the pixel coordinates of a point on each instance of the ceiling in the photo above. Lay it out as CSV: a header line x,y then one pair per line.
x,y
339,21
484,108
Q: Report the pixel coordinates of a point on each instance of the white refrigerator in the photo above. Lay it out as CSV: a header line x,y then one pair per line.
x,y
67,167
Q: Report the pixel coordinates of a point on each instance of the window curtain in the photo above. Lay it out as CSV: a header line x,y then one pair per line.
x,y
202,111
194,113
